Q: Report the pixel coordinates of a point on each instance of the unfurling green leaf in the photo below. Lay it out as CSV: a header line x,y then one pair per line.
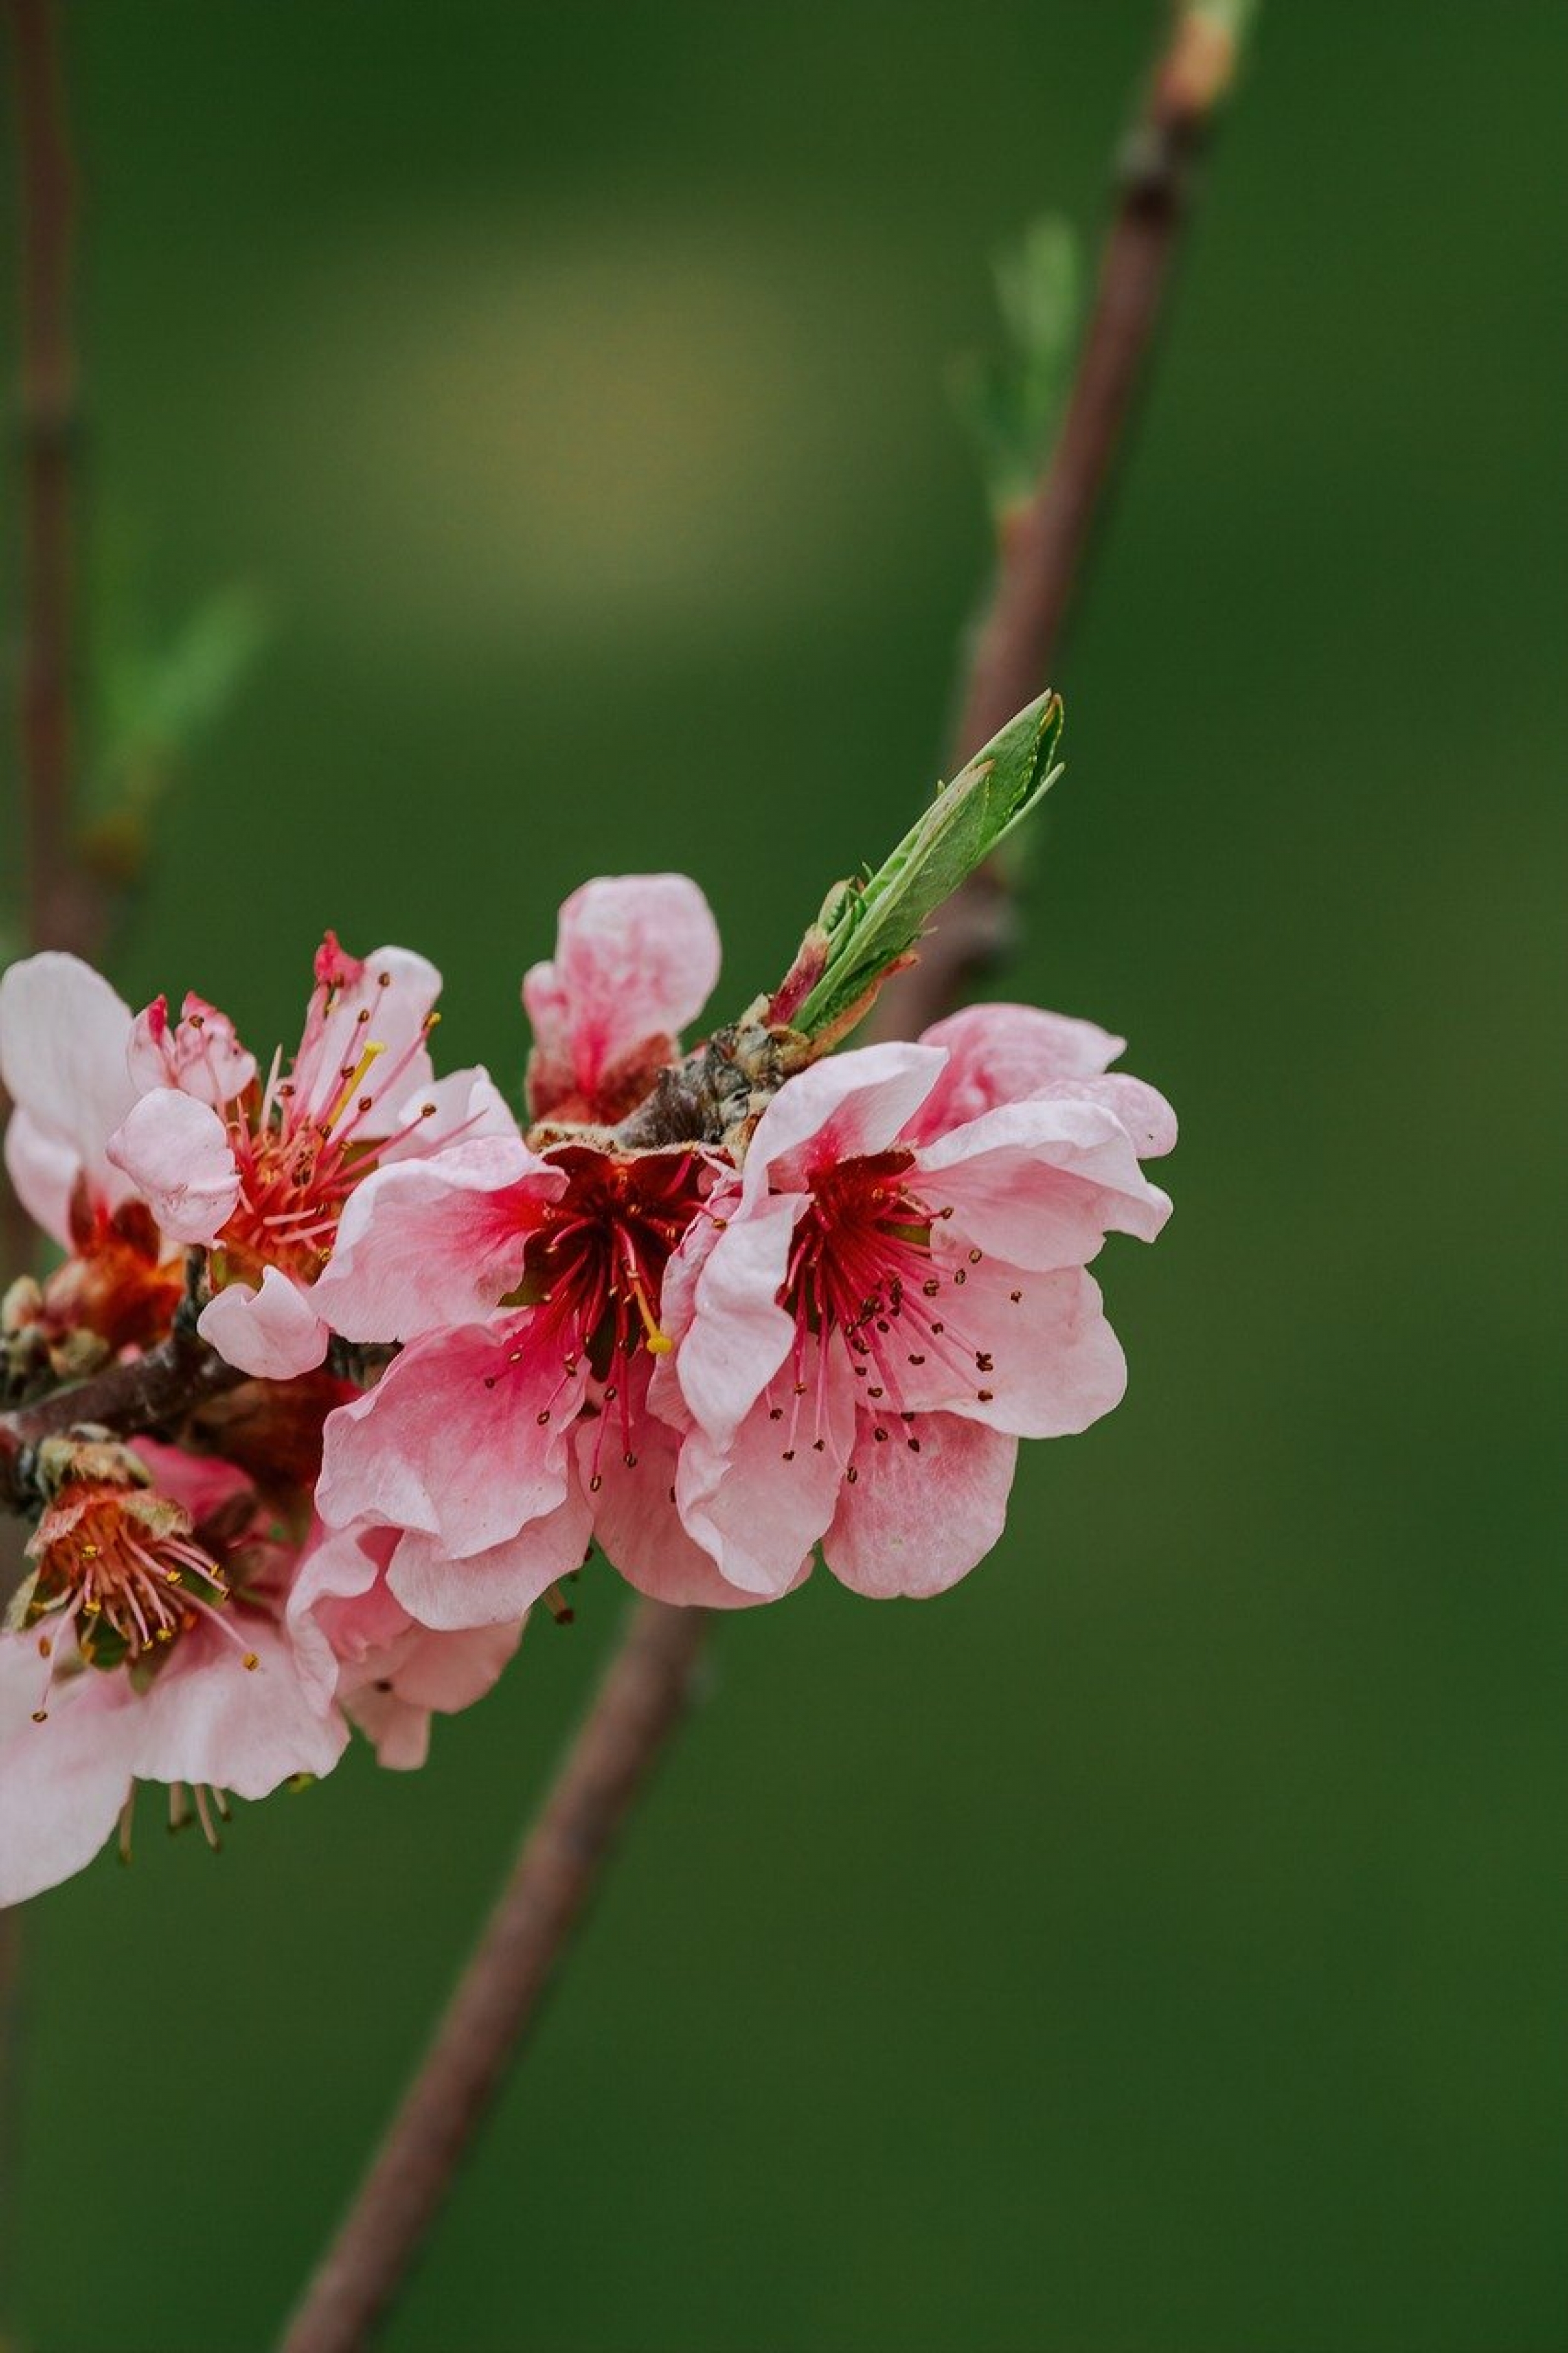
x,y
867,928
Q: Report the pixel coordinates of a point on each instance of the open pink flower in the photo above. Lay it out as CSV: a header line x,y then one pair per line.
x,y
895,1298
65,1039
635,959
527,1289
259,1173
65,1035
148,1644
389,1673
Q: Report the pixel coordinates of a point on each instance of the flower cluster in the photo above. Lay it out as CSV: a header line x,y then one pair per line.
x,y
812,1318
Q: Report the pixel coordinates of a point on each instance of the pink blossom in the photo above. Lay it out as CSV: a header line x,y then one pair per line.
x,y
389,1673
548,1391
260,1174
65,1039
898,1294
65,1035
635,959
148,1645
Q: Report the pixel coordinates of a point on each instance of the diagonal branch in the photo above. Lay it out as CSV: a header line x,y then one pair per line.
x,y
1043,541
641,1699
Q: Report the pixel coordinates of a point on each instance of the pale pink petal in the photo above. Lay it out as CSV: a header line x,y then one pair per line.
x,y
498,1584
450,1671
738,1335
1150,1122
461,1108
1041,1183
44,1172
757,1503
426,1244
1055,1364
391,1696
176,1151
272,1333
394,991
63,1039
206,1718
451,1441
62,1782
635,959
398,1731
636,1522
845,1108
914,1524
200,1054
1000,1053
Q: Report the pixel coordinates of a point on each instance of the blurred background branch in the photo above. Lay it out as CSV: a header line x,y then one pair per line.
x,y
641,1699
59,906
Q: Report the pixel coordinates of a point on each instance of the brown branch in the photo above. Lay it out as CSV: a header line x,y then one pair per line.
x,y
641,1699
63,904
58,913
1043,542
152,1394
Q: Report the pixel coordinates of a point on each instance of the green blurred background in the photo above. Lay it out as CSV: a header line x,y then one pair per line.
x,y
1157,1945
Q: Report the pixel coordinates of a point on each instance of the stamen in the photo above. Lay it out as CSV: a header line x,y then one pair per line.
x,y
353,1080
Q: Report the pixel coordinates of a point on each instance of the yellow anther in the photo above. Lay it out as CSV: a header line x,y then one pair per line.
x,y
657,1343
351,1085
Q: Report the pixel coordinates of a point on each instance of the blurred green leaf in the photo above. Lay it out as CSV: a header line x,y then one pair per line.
x,y
154,705
1011,403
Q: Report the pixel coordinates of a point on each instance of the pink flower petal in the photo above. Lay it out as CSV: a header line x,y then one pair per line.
x,y
1000,1053
393,1701
637,1525
176,1151
739,1336
63,1039
206,1718
394,991
44,1172
635,959
498,1584
914,1524
1150,1122
426,1244
200,1054
848,1107
465,1106
272,1333
450,1441
1041,1183
1054,1364
63,1782
757,1503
